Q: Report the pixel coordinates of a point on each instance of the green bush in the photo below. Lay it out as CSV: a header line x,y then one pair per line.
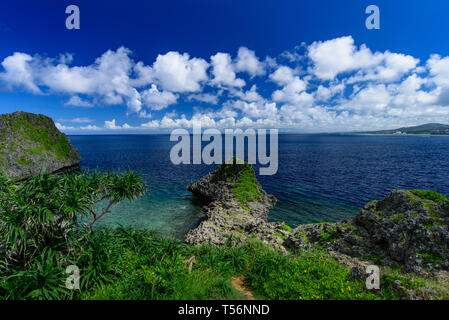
x,y
312,274
286,228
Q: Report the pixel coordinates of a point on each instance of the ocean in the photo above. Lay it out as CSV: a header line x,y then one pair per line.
x,y
321,177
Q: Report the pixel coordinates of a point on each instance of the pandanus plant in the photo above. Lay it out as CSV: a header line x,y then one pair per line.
x,y
44,211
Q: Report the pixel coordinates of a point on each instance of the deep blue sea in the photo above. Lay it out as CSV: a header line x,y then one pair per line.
x,y
320,177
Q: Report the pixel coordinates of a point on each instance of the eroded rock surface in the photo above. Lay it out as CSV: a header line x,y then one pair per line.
x,y
237,208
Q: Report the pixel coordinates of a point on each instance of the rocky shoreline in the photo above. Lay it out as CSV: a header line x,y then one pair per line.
x,y
407,229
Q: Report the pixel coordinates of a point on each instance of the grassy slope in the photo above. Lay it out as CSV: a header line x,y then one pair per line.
x,y
136,264
139,265
246,189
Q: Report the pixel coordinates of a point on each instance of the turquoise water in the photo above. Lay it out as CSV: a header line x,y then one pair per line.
x,y
320,177
170,213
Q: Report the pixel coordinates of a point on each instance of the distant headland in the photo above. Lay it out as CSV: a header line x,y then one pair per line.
x,y
428,128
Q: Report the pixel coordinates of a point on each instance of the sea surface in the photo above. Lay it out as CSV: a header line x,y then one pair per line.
x,y
321,178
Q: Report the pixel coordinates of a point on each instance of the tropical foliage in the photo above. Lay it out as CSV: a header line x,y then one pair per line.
x,y
43,230
40,224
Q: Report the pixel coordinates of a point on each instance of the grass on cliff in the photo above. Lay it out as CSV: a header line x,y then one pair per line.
x,y
246,189
41,133
430,195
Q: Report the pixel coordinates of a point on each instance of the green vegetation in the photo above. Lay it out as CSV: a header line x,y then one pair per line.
x,y
424,286
243,176
40,228
397,217
41,234
246,190
431,258
310,274
280,236
430,195
286,228
148,267
374,258
328,236
136,264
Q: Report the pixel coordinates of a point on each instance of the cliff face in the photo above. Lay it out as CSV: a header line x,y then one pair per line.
x,y
30,143
237,209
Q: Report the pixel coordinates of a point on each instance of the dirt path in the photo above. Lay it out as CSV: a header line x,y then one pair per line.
x,y
239,285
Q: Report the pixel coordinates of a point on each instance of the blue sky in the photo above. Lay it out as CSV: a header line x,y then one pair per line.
x,y
147,66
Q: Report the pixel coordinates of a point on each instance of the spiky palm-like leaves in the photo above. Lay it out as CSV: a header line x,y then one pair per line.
x,y
39,218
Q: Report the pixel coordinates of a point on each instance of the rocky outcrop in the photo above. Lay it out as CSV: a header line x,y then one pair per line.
x,y
30,143
237,208
407,228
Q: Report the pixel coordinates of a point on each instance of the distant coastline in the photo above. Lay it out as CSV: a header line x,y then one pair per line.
x,y
435,129
425,129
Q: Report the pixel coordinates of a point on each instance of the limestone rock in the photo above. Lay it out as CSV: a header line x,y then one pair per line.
x,y
237,208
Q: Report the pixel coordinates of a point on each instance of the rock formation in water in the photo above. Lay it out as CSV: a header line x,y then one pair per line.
x,y
30,143
237,208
